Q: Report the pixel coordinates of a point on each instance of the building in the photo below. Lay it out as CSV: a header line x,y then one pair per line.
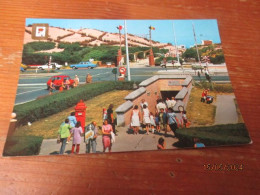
x,y
206,42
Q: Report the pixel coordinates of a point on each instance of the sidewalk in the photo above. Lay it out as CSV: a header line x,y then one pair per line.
x,y
124,142
226,110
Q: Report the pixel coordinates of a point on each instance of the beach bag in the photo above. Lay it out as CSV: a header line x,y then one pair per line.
x,y
113,137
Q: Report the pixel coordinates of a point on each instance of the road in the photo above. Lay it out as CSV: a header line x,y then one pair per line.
x,y
32,85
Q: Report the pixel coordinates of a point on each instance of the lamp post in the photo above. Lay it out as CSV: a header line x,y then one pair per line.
x,y
127,55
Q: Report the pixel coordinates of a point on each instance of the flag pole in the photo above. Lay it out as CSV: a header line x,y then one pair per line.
x,y
127,55
196,42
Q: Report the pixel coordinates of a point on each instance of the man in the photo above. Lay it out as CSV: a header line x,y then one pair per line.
x,y
64,133
160,106
172,120
173,102
91,133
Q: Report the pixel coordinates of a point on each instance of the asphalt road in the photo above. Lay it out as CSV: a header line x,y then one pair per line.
x,y
33,85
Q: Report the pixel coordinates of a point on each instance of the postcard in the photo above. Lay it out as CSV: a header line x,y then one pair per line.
x,y
99,86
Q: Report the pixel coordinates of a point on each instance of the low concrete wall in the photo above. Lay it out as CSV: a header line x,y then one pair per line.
x,y
150,89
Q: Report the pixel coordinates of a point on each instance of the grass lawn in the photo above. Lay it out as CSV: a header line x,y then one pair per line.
x,y
200,113
48,127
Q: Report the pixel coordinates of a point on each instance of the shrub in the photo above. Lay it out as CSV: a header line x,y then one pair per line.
x,y
57,102
225,88
22,145
214,135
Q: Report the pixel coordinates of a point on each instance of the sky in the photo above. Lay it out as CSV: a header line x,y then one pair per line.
x,y
164,31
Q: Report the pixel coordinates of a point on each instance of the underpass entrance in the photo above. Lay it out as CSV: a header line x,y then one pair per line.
x,y
168,94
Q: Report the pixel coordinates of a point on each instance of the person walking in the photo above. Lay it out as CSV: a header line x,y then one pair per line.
x,y
146,118
76,133
64,133
72,119
172,121
110,117
106,131
162,120
76,80
135,119
91,133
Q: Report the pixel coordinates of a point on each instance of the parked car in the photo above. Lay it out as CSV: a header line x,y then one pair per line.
x,y
53,65
58,81
22,69
24,66
83,65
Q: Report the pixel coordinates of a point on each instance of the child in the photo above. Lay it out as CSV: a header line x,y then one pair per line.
x,y
76,133
163,120
161,144
104,114
185,121
152,121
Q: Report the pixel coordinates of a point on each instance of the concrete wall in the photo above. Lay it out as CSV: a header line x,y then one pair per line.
x,y
150,90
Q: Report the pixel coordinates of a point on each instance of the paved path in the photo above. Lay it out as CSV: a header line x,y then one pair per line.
x,y
226,110
124,142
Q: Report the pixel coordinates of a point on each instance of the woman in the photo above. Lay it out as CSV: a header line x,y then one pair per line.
x,y
135,119
64,133
76,133
146,118
106,130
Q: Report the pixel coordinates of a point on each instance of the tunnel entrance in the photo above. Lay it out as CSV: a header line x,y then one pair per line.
x,y
168,94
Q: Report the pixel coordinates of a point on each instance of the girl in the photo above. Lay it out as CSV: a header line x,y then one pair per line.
x,y
135,119
152,121
161,144
106,130
146,118
76,132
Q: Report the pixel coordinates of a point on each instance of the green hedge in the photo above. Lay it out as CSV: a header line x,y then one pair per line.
x,y
226,88
214,135
22,145
57,102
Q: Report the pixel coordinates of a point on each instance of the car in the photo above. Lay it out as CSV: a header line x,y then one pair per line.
x,y
57,81
22,69
24,66
83,65
53,65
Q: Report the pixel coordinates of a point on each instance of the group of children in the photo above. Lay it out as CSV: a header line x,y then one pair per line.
x,y
156,122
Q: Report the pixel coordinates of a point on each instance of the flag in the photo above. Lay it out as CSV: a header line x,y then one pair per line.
x,y
151,27
119,27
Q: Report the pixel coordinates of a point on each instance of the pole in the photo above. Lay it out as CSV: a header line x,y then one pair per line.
x,y
150,34
176,48
127,55
120,38
196,43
